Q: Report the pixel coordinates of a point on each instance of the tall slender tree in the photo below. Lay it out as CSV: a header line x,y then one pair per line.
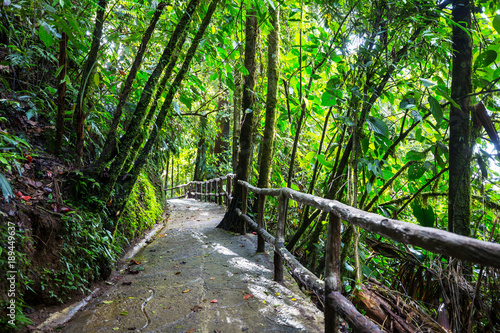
x,y
460,152
271,101
90,66
230,220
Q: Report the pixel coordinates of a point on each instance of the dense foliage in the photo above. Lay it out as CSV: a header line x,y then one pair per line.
x,y
364,92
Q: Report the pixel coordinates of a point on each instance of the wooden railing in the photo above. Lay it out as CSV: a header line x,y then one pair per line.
x,y
212,190
329,290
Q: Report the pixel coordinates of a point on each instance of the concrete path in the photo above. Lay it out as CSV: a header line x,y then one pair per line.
x,y
195,278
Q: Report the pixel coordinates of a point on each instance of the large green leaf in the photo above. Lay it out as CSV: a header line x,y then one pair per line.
x,y
45,37
328,100
378,126
436,110
485,59
496,23
416,170
425,216
322,160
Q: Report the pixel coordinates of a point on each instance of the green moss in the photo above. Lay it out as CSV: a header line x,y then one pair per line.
x,y
142,211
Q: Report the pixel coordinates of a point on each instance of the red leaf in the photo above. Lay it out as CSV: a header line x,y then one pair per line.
x,y
213,301
29,158
26,197
18,194
247,296
66,209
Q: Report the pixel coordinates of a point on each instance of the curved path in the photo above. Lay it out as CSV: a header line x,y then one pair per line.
x,y
195,278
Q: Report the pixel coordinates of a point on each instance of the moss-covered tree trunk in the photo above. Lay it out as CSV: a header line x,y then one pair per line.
x,y
461,86
134,130
61,91
162,115
266,160
110,143
199,167
90,64
230,220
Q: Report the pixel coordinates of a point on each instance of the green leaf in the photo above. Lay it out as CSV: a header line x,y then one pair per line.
x,y
496,23
415,171
414,155
45,37
425,216
407,103
378,126
97,79
124,313
427,83
436,110
328,100
323,161
485,59
6,189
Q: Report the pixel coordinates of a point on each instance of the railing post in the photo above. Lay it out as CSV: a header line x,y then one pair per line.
x,y
261,244
332,271
206,191
220,190
228,190
280,237
244,207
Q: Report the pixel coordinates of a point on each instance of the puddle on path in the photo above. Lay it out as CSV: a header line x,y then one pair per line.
x,y
197,278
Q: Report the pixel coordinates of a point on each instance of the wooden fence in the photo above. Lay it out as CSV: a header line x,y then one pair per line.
x,y
212,190
329,290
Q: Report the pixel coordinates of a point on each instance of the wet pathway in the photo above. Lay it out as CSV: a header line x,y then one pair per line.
x,y
195,278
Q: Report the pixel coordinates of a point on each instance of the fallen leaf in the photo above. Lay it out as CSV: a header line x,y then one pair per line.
x,y
26,197
294,299
242,245
247,296
107,302
124,313
212,278
196,308
213,301
133,262
18,194
185,291
277,294
110,283
128,283
253,232
116,328
162,235
191,330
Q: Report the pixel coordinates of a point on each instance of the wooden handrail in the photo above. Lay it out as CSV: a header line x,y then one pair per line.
x,y
431,239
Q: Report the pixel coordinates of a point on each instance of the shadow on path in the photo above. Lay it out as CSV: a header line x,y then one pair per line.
x,y
196,278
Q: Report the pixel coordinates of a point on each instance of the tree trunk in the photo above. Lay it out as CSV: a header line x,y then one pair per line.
x,y
110,143
266,160
199,168
231,220
236,118
79,114
139,115
166,107
61,91
460,152
136,148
